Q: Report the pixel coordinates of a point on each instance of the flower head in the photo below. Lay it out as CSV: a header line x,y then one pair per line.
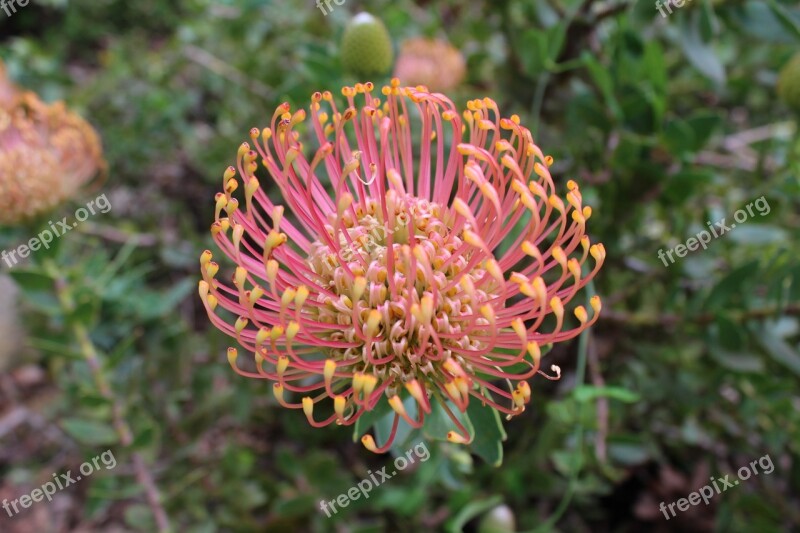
x,y
431,62
389,271
47,153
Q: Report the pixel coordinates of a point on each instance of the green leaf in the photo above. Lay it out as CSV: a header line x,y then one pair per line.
x,y
470,511
731,287
628,450
56,345
93,400
368,419
756,19
144,438
568,461
31,280
489,433
588,393
727,345
702,55
656,71
679,137
709,25
685,183
37,289
438,423
736,361
87,307
383,427
790,23
729,334
120,351
703,125
152,305
655,66
89,432
604,82
139,517
555,41
779,350
533,51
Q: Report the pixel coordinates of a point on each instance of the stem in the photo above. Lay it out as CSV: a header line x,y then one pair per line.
x,y
538,100
602,406
90,354
580,377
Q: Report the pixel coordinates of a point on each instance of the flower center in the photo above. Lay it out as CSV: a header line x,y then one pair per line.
x,y
399,295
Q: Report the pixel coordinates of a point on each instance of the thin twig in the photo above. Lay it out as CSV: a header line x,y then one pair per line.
x,y
12,420
738,144
221,68
602,405
92,358
114,235
762,133
736,161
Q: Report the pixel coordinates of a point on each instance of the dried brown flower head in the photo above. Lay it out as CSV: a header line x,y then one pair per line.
x,y
47,153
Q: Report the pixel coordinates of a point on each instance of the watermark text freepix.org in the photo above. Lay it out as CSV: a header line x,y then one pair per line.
x,y
10,6
59,228
365,486
706,492
661,5
718,229
60,482
327,3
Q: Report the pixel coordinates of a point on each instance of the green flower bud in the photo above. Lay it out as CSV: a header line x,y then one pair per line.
x,y
367,47
789,83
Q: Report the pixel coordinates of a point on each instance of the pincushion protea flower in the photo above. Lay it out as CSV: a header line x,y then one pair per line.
x,y
389,270
47,153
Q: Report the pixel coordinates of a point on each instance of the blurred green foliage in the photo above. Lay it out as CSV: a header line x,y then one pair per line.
x,y
667,123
